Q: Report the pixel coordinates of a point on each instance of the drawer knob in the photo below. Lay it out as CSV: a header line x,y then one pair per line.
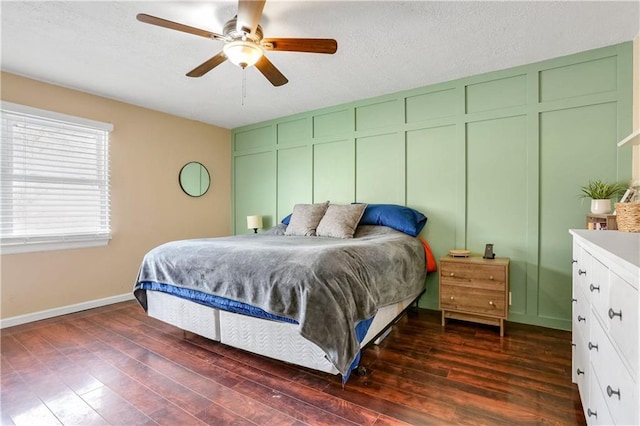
x,y
581,272
451,298
612,314
592,346
490,277
594,288
491,302
579,372
573,261
581,318
611,392
574,300
452,274
592,413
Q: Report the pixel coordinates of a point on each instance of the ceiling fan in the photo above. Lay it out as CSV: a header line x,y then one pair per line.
x,y
244,43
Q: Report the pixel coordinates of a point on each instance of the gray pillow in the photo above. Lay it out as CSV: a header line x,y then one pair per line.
x,y
305,219
340,221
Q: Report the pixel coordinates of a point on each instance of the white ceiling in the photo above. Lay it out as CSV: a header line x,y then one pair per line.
x,y
383,47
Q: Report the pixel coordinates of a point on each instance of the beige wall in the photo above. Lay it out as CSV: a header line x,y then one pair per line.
x,y
148,148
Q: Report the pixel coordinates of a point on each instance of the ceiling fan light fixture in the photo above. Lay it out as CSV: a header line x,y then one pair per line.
x,y
243,53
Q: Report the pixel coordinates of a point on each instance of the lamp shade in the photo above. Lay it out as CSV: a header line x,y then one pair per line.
x,y
254,222
243,53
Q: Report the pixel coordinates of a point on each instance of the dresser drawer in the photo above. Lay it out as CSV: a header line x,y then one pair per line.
x,y
596,411
580,314
470,299
598,287
622,319
581,268
580,373
614,379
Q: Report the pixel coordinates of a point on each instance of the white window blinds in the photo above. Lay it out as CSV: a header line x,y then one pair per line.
x,y
54,180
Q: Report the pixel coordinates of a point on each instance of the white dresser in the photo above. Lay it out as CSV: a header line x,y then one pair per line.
x,y
606,277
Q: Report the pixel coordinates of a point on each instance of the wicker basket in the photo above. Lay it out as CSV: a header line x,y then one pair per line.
x,y
628,217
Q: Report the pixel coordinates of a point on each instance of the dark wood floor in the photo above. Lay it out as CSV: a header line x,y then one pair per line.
x,y
115,365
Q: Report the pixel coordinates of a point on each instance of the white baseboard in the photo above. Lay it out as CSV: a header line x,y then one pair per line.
x,y
63,310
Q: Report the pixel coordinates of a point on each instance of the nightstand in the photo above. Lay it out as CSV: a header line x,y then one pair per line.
x,y
475,289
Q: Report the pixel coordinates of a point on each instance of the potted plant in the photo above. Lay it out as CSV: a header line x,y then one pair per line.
x,y
601,193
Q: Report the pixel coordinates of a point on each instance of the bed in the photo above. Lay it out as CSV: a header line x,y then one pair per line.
x,y
301,292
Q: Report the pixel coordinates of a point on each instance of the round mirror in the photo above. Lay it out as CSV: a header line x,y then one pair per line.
x,y
194,179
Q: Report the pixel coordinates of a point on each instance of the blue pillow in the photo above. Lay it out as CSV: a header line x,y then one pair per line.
x,y
286,220
401,218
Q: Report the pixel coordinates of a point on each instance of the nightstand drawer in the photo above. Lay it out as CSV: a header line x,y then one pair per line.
x,y
472,272
475,300
478,284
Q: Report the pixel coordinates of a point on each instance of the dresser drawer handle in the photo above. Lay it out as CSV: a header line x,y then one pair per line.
x,y
581,272
593,287
592,346
592,413
451,298
491,277
491,302
581,318
452,274
573,261
612,314
579,372
611,392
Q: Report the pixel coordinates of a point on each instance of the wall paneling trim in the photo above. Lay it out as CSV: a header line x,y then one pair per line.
x,y
494,158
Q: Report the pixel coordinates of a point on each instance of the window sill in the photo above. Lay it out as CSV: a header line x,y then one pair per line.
x,y
37,246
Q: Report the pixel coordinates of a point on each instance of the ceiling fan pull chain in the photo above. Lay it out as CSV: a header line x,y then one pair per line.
x,y
244,84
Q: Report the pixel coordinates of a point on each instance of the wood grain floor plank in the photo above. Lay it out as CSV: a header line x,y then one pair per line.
x,y
291,406
117,365
200,377
346,410
115,409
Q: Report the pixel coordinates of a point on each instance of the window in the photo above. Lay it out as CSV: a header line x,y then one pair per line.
x,y
54,180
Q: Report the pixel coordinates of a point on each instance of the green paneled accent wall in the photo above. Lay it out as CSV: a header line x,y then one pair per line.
x,y
294,178
380,114
380,169
434,175
494,158
496,94
292,132
254,179
333,123
571,152
496,197
426,106
334,176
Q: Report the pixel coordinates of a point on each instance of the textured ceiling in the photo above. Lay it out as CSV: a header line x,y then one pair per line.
x,y
383,47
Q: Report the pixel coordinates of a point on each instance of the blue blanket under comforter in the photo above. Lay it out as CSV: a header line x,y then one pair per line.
x,y
327,285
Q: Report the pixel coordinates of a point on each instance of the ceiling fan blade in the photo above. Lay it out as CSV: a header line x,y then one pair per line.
x,y
249,15
207,66
311,45
270,71
148,19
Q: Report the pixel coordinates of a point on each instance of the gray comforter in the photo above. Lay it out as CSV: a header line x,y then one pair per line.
x,y
327,285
